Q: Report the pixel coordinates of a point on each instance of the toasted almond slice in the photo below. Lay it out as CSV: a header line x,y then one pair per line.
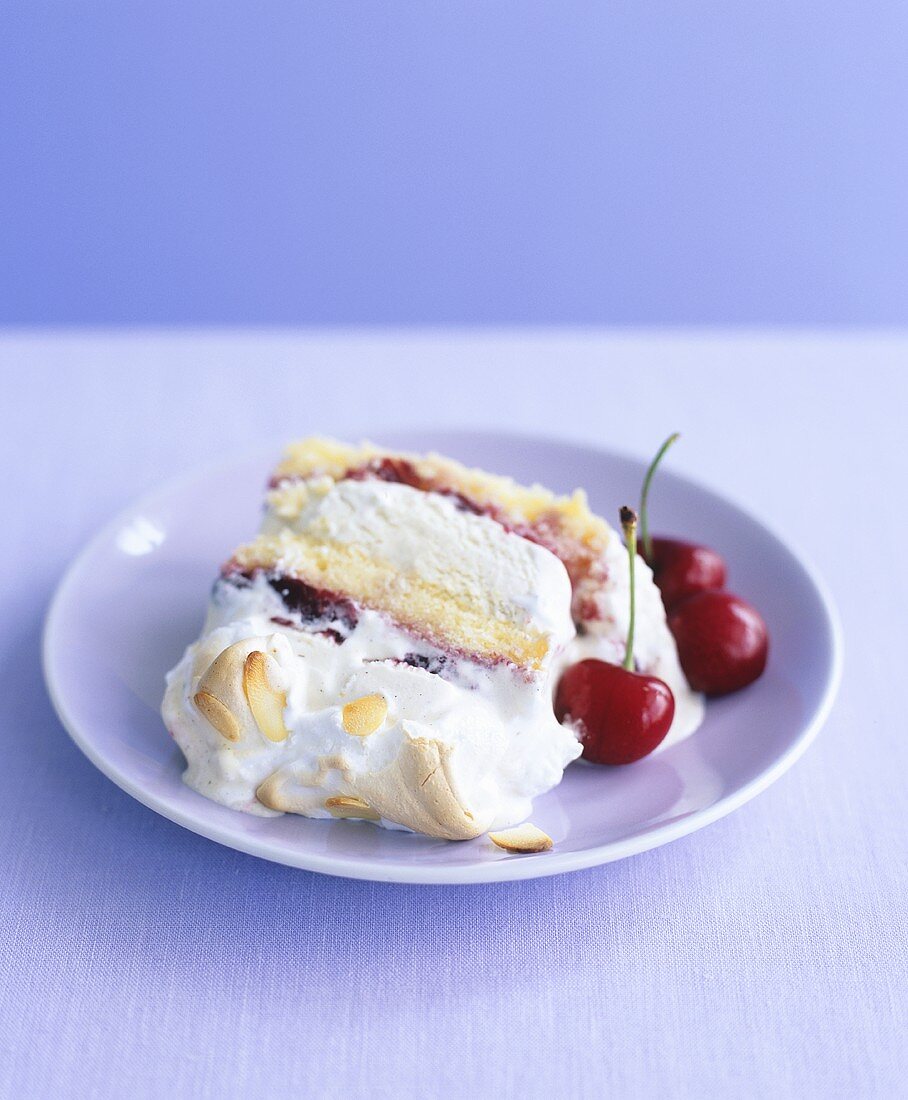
x,y
342,805
364,716
220,716
270,793
523,838
267,704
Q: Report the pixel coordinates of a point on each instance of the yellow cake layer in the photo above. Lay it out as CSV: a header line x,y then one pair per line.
x,y
467,619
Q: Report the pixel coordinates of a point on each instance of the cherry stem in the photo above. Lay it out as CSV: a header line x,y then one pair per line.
x,y
629,526
645,536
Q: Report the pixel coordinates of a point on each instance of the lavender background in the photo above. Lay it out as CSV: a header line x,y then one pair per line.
x,y
356,161
763,956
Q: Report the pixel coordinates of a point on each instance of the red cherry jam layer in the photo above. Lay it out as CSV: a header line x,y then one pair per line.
x,y
313,609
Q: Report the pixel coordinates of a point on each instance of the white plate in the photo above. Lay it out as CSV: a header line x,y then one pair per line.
x,y
136,597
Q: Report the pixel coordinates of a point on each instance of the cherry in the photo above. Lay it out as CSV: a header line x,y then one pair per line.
x,y
722,641
679,568
682,568
621,715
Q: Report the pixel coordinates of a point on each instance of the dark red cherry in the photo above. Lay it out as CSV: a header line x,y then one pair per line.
x,y
722,641
682,568
621,715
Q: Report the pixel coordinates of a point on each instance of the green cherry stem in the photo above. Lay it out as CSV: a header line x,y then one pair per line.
x,y
629,526
645,537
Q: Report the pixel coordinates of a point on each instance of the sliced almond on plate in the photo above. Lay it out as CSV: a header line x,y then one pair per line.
x,y
266,703
522,838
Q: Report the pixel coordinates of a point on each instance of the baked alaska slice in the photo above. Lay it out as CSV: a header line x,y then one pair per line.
x,y
387,647
378,652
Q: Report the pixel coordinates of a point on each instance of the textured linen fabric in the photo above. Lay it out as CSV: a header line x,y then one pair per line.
x,y
762,957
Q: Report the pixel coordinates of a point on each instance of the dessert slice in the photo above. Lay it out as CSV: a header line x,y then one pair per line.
x,y
378,652
387,647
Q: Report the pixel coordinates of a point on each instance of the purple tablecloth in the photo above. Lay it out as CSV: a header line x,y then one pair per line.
x,y
764,956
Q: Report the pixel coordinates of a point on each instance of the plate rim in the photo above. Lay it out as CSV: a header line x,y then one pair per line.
x,y
515,867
